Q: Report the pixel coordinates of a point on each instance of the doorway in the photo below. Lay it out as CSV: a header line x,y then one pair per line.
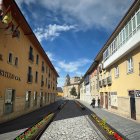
x,y
106,100
41,99
9,100
133,107
102,99
27,99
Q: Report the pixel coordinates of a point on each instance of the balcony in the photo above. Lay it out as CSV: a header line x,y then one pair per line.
x,y
109,80
130,45
104,82
42,83
30,78
31,57
100,83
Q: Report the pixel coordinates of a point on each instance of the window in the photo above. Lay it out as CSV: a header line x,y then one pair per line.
x,y
37,59
1,57
46,69
30,77
16,61
27,99
123,32
49,74
116,71
134,24
130,28
120,38
43,69
10,58
35,98
46,82
126,31
36,77
129,65
31,57
138,19
42,81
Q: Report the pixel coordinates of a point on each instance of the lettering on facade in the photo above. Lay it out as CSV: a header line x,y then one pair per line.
x,y
9,75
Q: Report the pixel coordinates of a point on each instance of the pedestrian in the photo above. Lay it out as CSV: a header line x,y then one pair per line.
x,y
93,102
98,102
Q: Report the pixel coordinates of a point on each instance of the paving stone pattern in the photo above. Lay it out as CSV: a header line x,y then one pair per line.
x,y
127,127
70,124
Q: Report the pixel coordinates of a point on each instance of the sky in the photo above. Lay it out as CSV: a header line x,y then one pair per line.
x,y
72,32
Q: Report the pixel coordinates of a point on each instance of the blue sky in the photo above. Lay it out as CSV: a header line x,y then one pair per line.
x,y
73,31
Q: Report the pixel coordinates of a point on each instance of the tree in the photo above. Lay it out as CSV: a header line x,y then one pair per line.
x,y
73,91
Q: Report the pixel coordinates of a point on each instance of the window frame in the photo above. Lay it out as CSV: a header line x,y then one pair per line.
x,y
130,66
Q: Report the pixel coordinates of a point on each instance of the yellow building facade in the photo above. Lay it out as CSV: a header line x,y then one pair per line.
x,y
119,67
28,80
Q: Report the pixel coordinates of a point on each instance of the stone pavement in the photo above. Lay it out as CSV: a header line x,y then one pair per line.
x,y
71,124
127,127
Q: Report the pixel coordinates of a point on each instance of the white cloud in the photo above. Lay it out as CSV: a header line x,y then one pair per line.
x,y
87,13
73,66
58,69
80,73
61,81
52,31
51,56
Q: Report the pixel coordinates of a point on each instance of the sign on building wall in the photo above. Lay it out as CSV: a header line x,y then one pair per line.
x,y
9,75
137,92
114,99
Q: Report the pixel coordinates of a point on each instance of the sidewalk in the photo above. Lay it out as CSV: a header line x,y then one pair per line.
x,y
128,128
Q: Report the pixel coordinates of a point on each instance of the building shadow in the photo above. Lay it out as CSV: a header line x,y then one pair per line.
x,y
29,119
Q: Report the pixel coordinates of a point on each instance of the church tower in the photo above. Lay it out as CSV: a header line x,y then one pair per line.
x,y
67,80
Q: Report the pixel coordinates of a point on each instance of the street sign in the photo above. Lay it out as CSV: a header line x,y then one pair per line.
x,y
137,93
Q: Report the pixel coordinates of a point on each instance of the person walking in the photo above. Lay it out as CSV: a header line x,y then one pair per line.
x,y
93,103
98,102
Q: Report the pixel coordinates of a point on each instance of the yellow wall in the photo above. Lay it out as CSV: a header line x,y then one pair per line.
x,y
60,94
125,81
19,47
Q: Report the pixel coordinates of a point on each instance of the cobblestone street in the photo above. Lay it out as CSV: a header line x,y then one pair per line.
x,y
72,124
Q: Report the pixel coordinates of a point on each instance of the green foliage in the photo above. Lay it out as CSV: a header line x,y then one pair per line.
x,y
73,91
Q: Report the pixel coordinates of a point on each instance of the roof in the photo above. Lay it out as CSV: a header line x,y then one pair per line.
x,y
20,19
59,89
